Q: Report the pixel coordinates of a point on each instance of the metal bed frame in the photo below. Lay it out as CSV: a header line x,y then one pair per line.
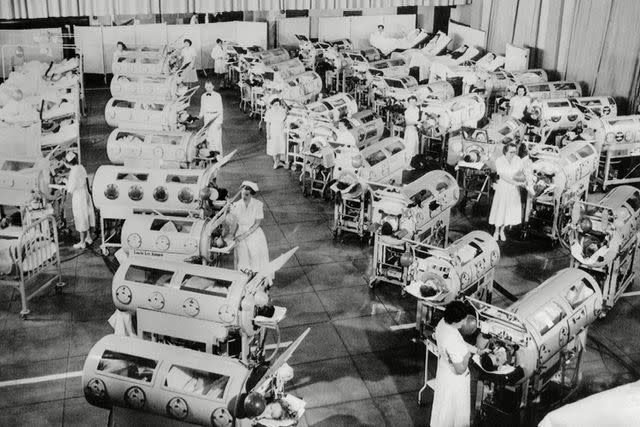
x,y
32,256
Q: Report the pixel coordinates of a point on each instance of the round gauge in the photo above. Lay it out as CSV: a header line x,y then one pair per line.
x,y
160,194
494,257
191,307
111,192
226,314
186,196
464,279
158,152
135,193
221,417
191,245
135,397
156,301
177,408
96,387
123,294
134,240
163,243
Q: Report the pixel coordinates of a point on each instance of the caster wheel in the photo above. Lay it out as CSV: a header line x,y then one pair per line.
x,y
372,284
24,316
105,252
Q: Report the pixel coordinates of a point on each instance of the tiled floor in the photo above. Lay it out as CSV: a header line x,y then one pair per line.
x,y
353,369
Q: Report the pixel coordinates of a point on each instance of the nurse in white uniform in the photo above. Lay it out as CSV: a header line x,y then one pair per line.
x,y
452,391
276,142
411,119
81,205
506,208
219,56
211,111
519,103
251,250
188,54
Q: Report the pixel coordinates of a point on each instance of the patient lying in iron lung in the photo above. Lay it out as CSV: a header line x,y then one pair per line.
x,y
500,361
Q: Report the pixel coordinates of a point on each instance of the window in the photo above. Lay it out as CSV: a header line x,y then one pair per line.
x,y
634,202
564,86
167,225
195,381
585,151
128,366
111,192
136,193
539,88
132,176
547,317
122,104
578,293
16,166
160,194
182,179
394,83
148,275
558,104
376,157
186,196
206,285
165,139
395,147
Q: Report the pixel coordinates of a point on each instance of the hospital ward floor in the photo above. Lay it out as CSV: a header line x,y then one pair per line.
x,y
357,367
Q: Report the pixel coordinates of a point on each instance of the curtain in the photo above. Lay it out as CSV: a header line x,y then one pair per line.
x,y
618,71
587,40
19,9
501,25
526,26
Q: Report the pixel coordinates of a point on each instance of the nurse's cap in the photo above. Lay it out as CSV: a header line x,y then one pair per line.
x,y
250,184
70,156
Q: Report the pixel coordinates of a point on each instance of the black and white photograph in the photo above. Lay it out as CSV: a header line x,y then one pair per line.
x,y
319,213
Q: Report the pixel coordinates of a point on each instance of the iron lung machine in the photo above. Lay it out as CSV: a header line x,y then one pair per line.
x,y
555,180
438,276
152,88
544,336
604,240
120,191
145,61
165,115
416,211
186,387
177,238
216,310
618,142
155,149
354,171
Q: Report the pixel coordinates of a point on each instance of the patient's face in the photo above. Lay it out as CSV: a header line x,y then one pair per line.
x,y
499,356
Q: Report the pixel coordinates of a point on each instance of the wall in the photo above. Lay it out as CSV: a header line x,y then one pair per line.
x,y
424,18
593,41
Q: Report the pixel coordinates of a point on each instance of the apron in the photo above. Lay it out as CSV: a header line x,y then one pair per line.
x,y
81,206
452,392
214,133
251,253
506,208
276,144
411,139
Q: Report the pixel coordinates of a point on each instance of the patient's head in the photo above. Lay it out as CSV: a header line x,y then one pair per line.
x,y
493,360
